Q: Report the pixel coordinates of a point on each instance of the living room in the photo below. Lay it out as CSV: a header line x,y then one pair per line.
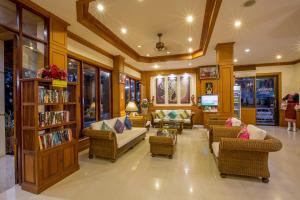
x,y
199,102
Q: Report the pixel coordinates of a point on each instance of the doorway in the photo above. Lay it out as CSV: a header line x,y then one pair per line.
x,y
267,94
8,51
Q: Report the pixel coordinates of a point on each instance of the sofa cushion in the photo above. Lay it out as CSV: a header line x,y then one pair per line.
x,y
157,120
187,121
160,114
188,113
96,125
111,123
105,127
256,133
172,114
183,115
215,147
127,123
129,135
119,126
244,134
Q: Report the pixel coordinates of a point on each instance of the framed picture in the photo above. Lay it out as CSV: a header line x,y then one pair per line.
x,y
172,90
185,90
209,88
160,90
209,72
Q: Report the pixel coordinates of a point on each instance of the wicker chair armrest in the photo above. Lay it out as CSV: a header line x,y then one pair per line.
x,y
219,132
216,122
108,135
236,144
138,122
160,140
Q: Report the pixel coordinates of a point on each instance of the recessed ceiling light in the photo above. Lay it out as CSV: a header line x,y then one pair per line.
x,y
139,46
278,57
237,24
190,50
247,50
100,7
147,54
168,52
189,18
190,39
235,60
190,64
155,66
123,30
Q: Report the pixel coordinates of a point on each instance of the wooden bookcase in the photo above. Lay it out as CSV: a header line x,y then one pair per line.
x,y
43,167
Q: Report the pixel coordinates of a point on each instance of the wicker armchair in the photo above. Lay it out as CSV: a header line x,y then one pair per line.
x,y
242,157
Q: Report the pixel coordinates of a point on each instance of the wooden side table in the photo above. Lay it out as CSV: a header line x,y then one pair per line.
x,y
163,145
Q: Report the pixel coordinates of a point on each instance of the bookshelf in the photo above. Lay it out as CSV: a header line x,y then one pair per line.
x,y
49,133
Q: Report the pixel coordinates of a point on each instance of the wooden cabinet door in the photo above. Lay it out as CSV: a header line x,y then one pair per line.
x,y
69,158
50,166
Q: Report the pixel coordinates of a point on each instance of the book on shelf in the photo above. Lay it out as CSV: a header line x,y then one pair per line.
x,y
52,95
51,139
49,118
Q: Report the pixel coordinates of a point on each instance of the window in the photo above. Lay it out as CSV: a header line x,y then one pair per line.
x,y
132,91
105,95
33,57
73,66
8,14
89,94
33,25
127,90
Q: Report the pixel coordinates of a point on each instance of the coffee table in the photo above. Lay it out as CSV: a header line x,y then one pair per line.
x,y
173,124
163,144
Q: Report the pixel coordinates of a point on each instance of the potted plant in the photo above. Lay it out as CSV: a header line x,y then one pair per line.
x,y
144,106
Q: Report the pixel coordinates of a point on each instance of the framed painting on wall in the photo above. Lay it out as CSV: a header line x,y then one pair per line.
x,y
209,72
185,89
209,88
172,90
160,90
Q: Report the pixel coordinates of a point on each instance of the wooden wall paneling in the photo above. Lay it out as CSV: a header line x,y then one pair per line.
x,y
248,115
58,33
282,121
58,56
298,119
118,88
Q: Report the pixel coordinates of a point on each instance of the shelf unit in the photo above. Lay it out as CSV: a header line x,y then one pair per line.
x,y
44,167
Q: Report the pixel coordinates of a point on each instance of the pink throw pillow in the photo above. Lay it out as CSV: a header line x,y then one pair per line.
x,y
228,123
244,134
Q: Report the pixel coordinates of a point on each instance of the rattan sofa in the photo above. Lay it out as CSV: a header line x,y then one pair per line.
x,y
242,157
105,144
157,122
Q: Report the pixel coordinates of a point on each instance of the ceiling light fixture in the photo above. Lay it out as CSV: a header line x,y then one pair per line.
x,y
147,54
168,52
237,24
190,39
190,50
155,66
278,57
100,7
190,64
247,50
235,60
123,30
139,46
189,18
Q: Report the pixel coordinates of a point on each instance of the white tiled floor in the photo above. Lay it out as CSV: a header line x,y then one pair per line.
x,y
7,172
191,174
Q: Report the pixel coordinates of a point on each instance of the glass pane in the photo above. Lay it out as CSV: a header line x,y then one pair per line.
x,y
89,94
132,90
8,14
105,111
33,24
247,91
127,89
33,57
73,66
137,94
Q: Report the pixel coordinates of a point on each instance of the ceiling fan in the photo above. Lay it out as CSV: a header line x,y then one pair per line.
x,y
160,46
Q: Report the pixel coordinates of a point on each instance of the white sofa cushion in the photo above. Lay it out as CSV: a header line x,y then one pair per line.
x,y
156,120
236,122
187,121
96,125
256,133
129,135
215,147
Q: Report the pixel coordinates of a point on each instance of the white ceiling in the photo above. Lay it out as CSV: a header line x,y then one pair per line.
x,y
268,28
144,19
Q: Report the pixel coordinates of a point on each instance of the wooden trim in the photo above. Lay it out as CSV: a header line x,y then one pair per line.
x,y
251,66
86,43
88,60
89,21
132,67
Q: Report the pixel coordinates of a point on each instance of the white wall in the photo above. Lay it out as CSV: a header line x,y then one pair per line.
x,y
2,102
297,79
132,72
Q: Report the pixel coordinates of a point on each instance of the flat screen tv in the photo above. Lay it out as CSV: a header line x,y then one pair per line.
x,y
209,100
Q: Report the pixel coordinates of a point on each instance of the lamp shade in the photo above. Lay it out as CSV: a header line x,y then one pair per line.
x,y
131,107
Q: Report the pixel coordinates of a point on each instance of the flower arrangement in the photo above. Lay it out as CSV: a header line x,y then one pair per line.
x,y
52,72
145,103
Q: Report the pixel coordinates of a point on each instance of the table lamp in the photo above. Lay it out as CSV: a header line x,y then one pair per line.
x,y
131,108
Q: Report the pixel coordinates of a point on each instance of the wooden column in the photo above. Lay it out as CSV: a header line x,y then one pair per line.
x,y
226,82
143,85
118,88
